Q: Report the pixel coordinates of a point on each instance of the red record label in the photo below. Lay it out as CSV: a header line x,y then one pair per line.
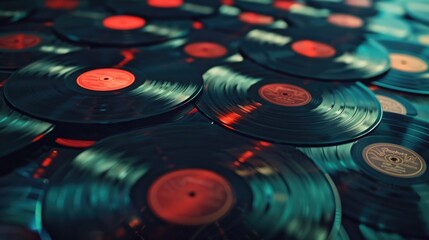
x,y
205,50
190,197
105,79
407,63
313,49
165,3
123,22
345,20
255,18
19,41
284,4
61,4
285,94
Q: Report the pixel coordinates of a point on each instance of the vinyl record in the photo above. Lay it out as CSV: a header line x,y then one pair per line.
x,y
22,44
20,201
357,7
15,10
103,86
403,103
12,232
418,10
165,8
420,33
341,55
4,75
193,116
251,100
48,10
232,20
382,177
18,131
100,28
410,67
203,49
190,181
390,7
295,12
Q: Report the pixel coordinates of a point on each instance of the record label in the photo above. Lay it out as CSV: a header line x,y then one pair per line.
x,y
359,3
123,22
255,18
61,4
407,63
190,197
205,50
424,39
345,20
313,49
105,79
165,3
287,95
19,41
391,105
394,160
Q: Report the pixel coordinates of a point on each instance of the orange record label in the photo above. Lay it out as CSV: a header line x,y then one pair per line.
x,y
345,20
394,160
255,18
313,49
205,50
123,22
407,63
391,105
165,3
285,94
424,39
105,79
19,41
359,3
190,197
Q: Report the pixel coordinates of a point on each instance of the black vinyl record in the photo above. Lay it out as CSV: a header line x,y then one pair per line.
x,y
358,7
418,10
232,20
48,10
382,177
403,103
103,86
190,181
15,10
100,28
24,43
18,131
340,55
410,67
4,75
279,108
165,8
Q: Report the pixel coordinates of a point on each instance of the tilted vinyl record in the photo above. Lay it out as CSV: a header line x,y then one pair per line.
x,y
100,28
190,181
103,86
165,8
410,67
382,177
18,131
15,10
358,7
24,43
48,10
418,10
251,100
340,55
420,33
403,103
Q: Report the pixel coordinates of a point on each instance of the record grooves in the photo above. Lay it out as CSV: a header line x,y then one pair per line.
x,y
251,100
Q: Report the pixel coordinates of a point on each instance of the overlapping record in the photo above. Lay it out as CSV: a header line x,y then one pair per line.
x,y
103,86
410,67
18,132
15,10
190,181
100,28
358,7
279,108
48,10
382,177
12,232
234,21
341,55
418,10
402,103
165,8
420,33
21,44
